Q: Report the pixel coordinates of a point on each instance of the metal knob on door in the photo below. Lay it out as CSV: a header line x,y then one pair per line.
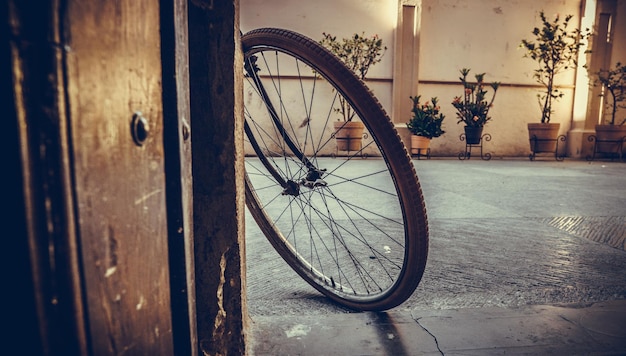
x,y
140,128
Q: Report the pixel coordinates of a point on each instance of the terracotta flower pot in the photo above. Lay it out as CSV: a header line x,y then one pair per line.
x,y
419,144
349,135
609,138
543,137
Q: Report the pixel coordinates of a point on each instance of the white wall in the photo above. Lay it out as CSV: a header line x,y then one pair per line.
x,y
483,35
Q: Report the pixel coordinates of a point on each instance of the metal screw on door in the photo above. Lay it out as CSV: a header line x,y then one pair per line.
x,y
139,128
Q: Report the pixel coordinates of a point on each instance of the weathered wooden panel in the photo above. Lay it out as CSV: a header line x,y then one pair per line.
x,y
177,144
114,71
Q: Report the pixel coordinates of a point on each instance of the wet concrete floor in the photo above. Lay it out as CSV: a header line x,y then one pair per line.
x,y
525,258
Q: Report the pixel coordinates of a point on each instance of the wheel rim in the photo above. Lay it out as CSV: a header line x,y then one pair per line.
x,y
337,218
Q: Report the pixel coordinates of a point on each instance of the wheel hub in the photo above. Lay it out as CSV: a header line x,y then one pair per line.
x,y
313,179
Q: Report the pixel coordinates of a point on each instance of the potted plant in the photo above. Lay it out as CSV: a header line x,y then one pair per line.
x,y
611,134
473,108
359,52
555,48
425,124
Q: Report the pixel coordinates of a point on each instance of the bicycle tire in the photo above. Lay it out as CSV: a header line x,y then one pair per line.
x,y
361,268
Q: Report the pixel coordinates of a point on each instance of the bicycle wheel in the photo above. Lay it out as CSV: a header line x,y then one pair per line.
x,y
355,229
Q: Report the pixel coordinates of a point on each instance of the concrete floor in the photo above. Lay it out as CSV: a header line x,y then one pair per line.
x,y
598,329
525,258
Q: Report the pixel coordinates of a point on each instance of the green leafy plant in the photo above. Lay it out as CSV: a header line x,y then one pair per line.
x,y
358,53
555,48
473,108
614,82
426,118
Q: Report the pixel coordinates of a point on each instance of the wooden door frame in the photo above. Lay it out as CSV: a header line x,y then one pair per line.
x,y
46,288
179,194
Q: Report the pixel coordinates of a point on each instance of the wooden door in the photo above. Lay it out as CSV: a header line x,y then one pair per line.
x,y
113,64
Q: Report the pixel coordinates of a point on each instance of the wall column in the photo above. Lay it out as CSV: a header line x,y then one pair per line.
x,y
406,64
587,97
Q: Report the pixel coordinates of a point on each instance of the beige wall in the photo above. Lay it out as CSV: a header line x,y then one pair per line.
x,y
618,50
619,40
338,17
341,18
483,35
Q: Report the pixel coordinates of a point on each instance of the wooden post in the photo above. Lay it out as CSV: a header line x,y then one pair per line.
x,y
216,72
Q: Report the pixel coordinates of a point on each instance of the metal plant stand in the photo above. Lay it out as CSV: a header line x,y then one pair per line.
x,y
348,141
534,141
419,153
617,144
468,147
